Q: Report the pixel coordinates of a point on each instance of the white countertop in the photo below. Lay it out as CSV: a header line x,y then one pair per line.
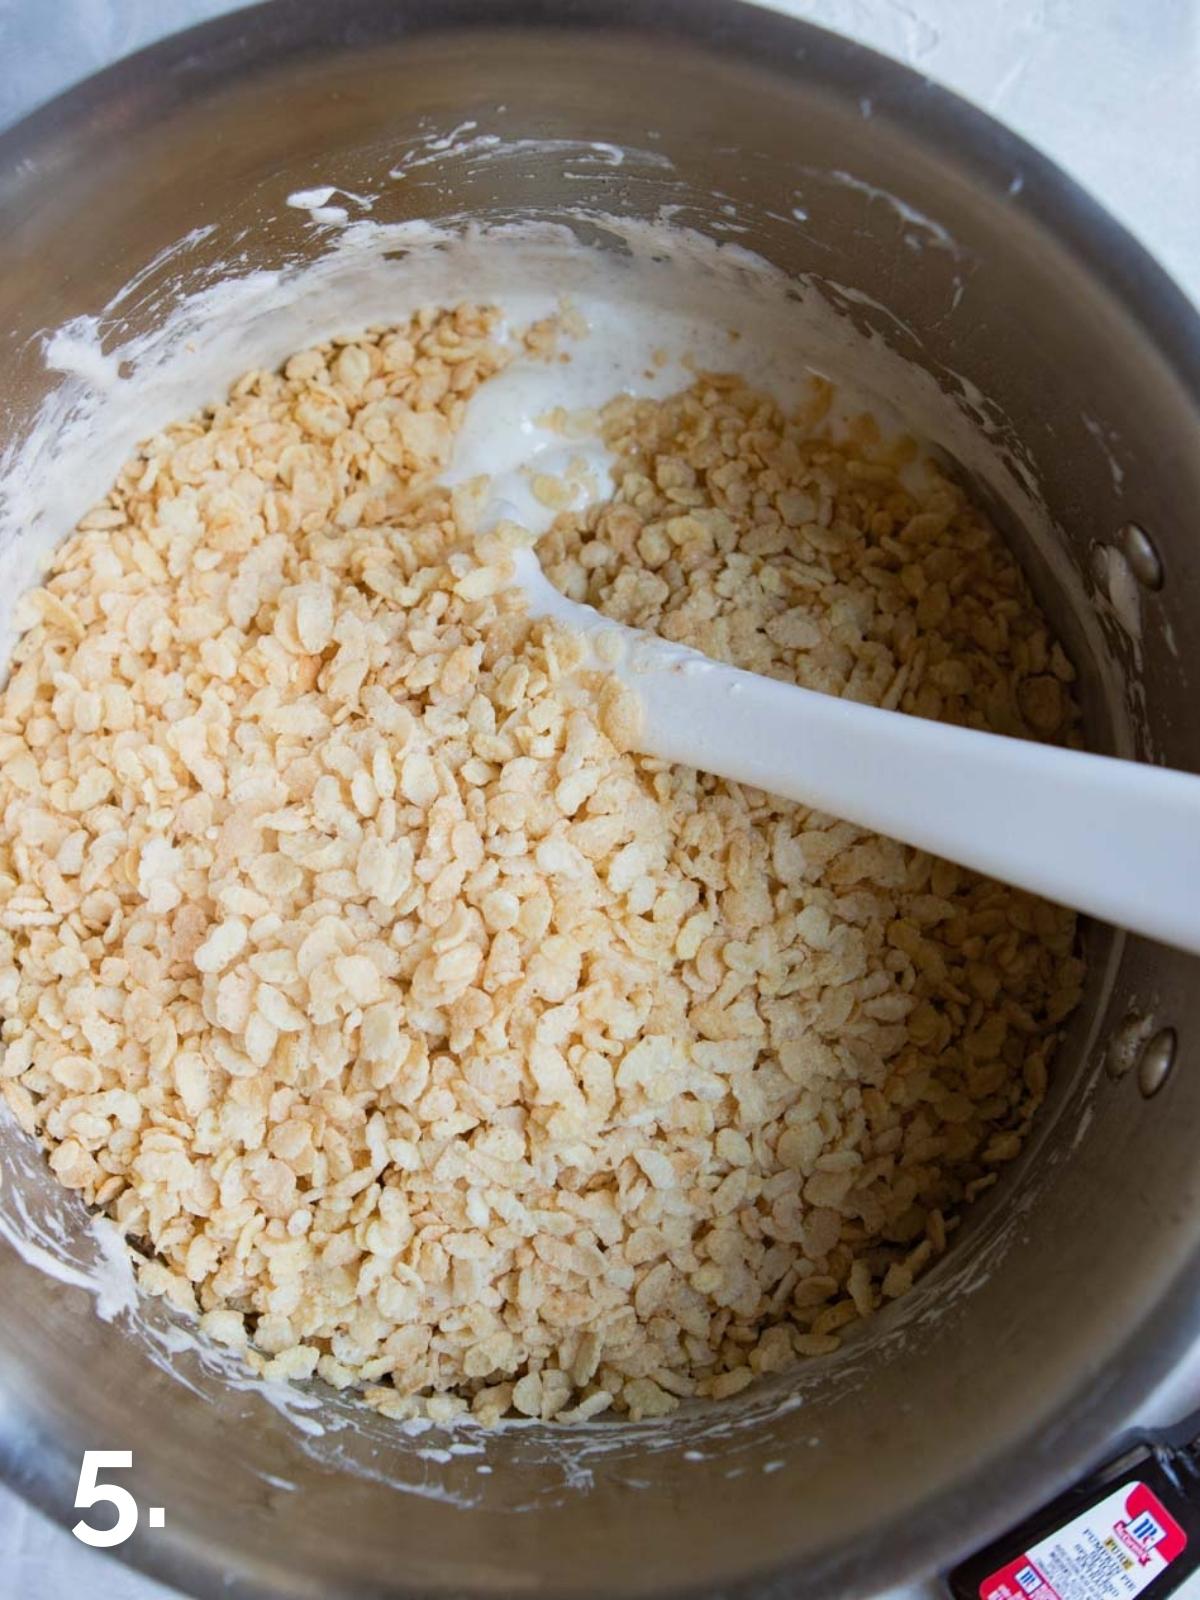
x,y
1108,88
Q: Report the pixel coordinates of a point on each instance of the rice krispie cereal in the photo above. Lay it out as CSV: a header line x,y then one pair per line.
x,y
415,1032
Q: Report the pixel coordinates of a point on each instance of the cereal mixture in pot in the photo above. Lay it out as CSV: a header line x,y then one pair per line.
x,y
417,1034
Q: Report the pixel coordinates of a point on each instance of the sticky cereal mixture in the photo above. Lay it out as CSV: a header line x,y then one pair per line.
x,y
417,1035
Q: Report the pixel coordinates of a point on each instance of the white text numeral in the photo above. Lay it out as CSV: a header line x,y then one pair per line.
x,y
92,1492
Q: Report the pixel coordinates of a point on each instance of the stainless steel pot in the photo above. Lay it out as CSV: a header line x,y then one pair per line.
x,y
1077,1285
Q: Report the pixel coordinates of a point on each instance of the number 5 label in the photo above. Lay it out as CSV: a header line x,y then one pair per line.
x,y
92,1492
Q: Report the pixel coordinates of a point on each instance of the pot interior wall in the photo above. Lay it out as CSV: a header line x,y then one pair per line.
x,y
1066,1297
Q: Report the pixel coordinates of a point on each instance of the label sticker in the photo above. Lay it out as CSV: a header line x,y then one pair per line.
x,y
1111,1551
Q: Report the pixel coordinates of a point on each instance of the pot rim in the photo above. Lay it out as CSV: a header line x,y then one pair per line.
x,y
187,65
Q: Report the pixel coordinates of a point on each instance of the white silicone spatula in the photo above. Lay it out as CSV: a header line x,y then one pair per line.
x,y
1118,839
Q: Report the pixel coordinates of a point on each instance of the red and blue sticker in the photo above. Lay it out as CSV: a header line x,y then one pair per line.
x,y
1111,1551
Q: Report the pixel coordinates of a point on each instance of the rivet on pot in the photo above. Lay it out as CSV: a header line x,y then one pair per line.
x,y
1156,1062
1136,545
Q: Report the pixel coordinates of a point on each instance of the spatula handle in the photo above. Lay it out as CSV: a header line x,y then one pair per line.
x,y
1118,839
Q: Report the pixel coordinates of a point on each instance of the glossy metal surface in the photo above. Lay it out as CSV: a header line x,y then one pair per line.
x,y
935,1430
